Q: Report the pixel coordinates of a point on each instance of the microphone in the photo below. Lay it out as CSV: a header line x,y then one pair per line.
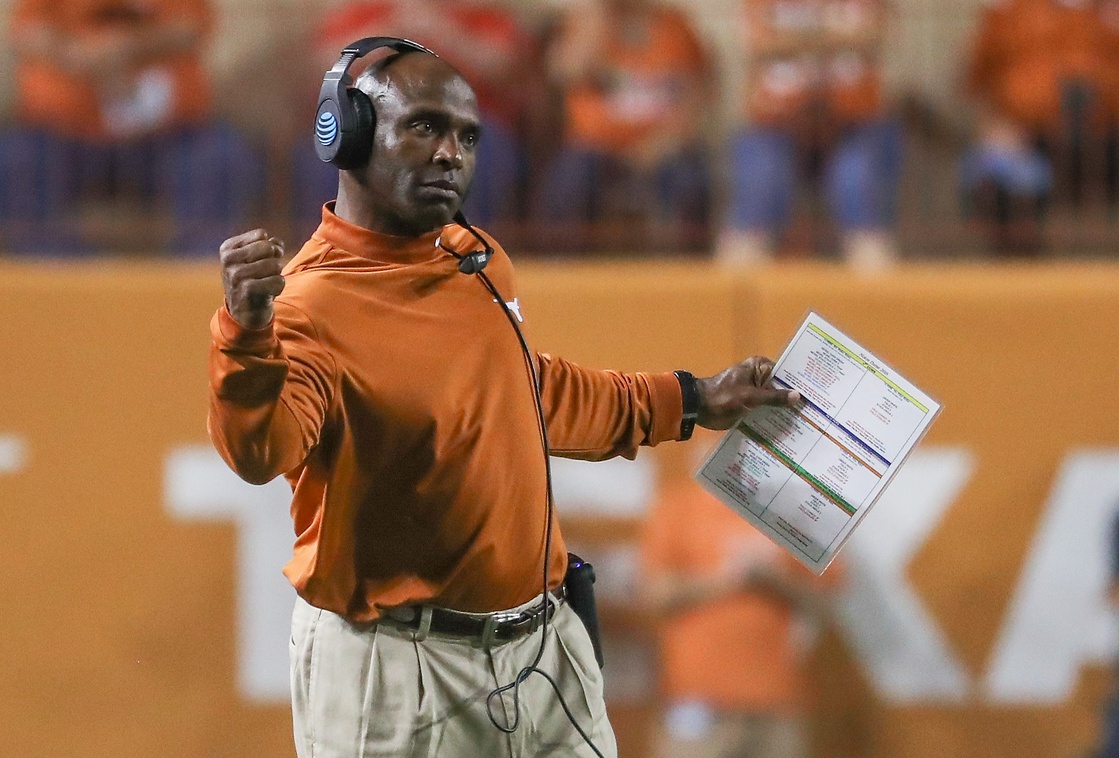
x,y
473,263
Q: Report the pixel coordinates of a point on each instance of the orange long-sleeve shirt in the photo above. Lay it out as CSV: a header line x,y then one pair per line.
x,y
392,392
643,75
738,652
1027,49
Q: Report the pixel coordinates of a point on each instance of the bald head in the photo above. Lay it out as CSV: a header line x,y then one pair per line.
x,y
408,71
424,144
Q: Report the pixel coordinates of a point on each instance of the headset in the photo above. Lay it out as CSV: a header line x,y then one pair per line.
x,y
344,129
345,120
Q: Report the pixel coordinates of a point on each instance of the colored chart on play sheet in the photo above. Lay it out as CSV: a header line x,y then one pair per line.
x,y
806,476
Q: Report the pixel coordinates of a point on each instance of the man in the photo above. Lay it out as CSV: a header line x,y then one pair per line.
x,y
1042,79
114,107
636,84
391,390
814,99
487,43
737,615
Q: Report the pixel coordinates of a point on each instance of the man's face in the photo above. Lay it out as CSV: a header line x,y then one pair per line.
x,y
424,146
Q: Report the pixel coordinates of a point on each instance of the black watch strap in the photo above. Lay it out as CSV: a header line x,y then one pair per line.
x,y
689,393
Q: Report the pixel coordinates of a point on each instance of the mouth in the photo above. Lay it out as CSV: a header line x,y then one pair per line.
x,y
442,187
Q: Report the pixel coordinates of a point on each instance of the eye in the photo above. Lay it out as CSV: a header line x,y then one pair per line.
x,y
423,126
470,139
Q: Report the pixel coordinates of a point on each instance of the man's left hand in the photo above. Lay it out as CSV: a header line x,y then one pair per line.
x,y
725,397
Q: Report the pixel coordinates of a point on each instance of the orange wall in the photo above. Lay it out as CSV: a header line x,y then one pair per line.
x,y
119,630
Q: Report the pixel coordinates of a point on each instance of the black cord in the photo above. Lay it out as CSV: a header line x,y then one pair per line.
x,y
533,668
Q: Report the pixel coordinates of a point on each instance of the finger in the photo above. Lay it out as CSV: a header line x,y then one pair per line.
x,y
770,396
254,251
261,292
274,285
763,371
260,269
243,239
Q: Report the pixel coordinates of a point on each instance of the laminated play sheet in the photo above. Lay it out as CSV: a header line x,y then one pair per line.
x,y
806,476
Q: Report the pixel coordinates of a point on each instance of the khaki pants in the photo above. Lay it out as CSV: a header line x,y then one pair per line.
x,y
737,735
366,690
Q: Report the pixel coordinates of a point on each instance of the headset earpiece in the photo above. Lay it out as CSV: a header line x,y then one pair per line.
x,y
345,119
355,147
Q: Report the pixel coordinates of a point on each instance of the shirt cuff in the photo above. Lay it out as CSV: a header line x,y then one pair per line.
x,y
228,333
667,408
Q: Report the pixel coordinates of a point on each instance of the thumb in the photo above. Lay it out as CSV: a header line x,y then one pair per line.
x,y
771,396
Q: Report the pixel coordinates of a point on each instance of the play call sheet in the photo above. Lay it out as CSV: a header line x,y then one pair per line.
x,y
807,476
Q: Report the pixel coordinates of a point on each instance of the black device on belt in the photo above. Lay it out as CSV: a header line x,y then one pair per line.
x,y
577,591
579,581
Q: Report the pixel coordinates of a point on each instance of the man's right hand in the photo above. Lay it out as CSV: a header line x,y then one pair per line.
x,y
250,272
727,396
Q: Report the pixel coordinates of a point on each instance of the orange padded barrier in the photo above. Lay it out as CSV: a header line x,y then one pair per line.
x,y
120,631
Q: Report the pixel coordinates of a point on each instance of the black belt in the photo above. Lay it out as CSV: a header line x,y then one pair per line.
x,y
501,626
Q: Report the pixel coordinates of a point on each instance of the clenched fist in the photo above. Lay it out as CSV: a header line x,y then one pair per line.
x,y
250,272
725,397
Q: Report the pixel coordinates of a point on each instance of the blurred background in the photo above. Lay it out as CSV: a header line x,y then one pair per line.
x,y
678,183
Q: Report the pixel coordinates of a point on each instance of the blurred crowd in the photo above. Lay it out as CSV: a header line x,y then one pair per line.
x,y
604,121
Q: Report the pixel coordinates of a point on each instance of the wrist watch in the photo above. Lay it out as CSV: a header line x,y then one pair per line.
x,y
689,394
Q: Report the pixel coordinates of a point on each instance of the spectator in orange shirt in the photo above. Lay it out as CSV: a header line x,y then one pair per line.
x,y
814,98
636,85
1109,21
113,101
739,614
484,41
1042,80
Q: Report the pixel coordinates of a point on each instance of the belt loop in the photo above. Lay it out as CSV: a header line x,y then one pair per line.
x,y
425,624
489,630
536,617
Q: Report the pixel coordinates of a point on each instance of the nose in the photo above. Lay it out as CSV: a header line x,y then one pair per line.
x,y
449,152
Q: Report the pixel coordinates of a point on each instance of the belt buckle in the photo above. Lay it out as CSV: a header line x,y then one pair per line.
x,y
489,628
